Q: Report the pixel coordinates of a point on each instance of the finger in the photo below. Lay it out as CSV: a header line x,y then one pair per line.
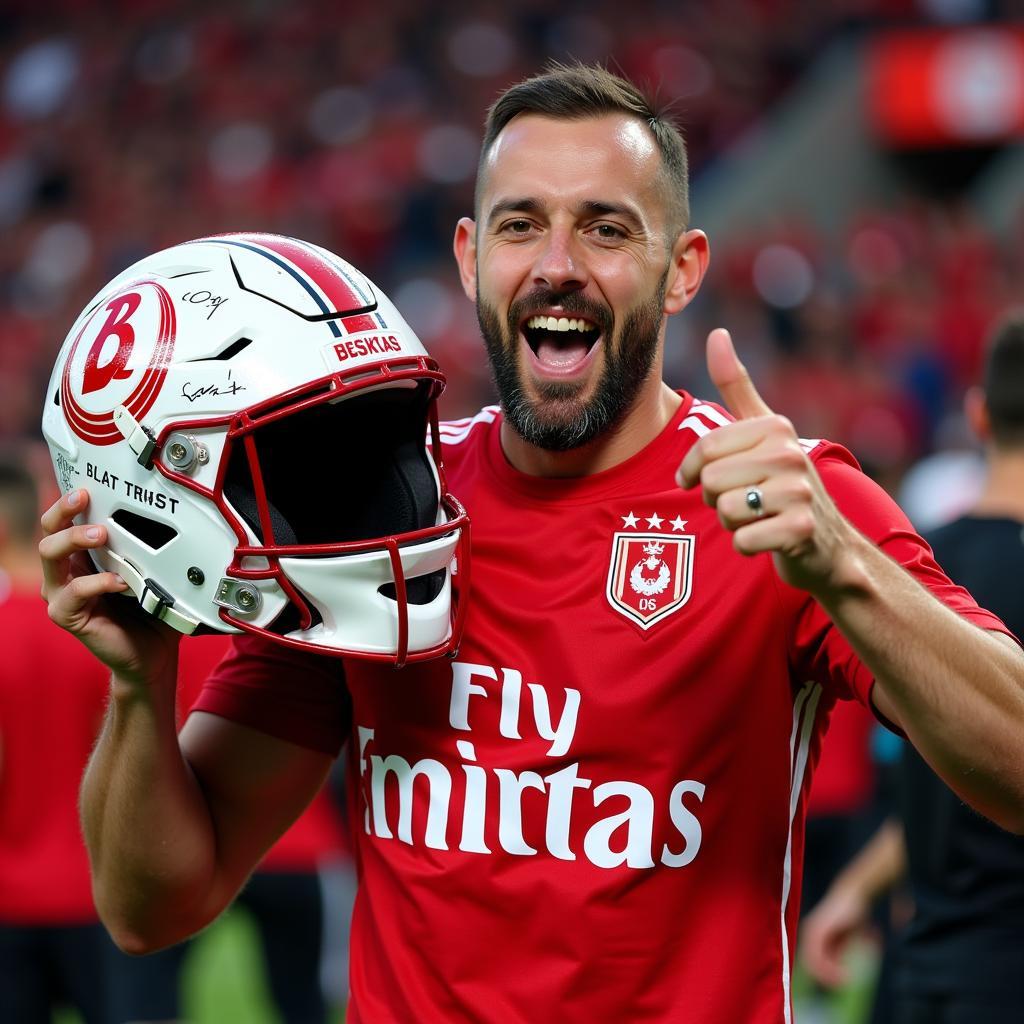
x,y
741,437
821,953
730,376
56,550
828,970
67,607
789,533
739,506
831,968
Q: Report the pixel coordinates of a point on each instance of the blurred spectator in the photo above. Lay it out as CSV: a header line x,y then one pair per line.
x,y
960,958
52,697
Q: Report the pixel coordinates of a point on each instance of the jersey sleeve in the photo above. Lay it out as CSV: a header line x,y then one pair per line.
x,y
821,651
292,695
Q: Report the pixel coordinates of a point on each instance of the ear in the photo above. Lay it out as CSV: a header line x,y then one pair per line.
x,y
690,256
465,255
977,414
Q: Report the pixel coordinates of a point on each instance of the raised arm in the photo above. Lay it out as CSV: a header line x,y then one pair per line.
x,y
173,824
955,689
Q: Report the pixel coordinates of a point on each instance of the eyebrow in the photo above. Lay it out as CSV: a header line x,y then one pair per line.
x,y
522,205
587,207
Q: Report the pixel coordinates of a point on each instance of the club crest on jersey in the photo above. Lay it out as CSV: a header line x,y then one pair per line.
x,y
650,575
119,357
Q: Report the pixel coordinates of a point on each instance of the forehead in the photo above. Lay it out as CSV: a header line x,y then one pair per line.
x,y
610,157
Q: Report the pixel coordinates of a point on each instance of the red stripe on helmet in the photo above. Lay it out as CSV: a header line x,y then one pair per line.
x,y
341,294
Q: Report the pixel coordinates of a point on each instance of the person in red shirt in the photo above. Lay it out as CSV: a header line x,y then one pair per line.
x,y
595,811
52,698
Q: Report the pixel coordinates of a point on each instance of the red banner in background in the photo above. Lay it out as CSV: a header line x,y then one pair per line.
x,y
941,88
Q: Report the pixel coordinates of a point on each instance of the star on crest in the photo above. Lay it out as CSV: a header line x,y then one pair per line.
x,y
630,520
679,524
654,522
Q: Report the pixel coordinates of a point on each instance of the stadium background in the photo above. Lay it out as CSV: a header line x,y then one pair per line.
x,y
857,166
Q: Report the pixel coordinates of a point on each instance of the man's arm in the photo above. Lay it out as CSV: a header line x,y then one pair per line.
x,y
173,827
844,911
956,690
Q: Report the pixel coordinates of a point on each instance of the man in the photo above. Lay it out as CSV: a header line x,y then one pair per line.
x,y
960,957
594,812
52,696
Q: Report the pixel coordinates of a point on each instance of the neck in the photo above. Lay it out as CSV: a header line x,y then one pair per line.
x,y
1003,493
646,418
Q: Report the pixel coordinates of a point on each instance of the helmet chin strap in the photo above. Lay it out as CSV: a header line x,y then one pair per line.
x,y
153,598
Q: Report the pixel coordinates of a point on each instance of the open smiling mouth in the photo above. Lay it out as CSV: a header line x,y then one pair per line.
x,y
561,345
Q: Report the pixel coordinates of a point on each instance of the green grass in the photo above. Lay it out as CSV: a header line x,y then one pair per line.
x,y
223,978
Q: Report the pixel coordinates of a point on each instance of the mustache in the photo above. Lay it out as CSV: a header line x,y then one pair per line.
x,y
573,303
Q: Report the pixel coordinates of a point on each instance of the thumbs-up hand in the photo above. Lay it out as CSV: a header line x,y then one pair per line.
x,y
755,474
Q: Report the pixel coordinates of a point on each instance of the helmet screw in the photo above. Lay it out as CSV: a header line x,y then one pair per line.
x,y
181,451
195,575
202,454
245,597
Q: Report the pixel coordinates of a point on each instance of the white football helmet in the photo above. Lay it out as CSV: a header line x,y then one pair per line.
x,y
250,417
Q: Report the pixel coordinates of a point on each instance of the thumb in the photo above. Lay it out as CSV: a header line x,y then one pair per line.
x,y
730,376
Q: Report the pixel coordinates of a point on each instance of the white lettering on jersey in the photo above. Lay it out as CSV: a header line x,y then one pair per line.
x,y
638,819
437,808
561,785
463,688
685,822
625,837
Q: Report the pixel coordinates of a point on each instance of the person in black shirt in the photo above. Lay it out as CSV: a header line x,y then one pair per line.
x,y
961,959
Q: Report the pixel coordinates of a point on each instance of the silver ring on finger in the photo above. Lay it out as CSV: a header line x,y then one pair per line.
x,y
755,501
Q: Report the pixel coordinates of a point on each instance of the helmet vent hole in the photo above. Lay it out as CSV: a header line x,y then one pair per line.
x,y
419,590
232,350
150,532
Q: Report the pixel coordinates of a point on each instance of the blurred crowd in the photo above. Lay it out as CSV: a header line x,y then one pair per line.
x,y
870,337
129,126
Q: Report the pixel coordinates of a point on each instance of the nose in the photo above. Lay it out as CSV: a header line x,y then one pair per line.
x,y
560,264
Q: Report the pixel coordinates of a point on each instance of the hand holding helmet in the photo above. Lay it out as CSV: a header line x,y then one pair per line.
x,y
132,645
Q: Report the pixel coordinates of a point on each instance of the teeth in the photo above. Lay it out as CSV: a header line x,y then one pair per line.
x,y
559,323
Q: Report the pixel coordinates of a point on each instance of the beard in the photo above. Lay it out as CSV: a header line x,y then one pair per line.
x,y
560,417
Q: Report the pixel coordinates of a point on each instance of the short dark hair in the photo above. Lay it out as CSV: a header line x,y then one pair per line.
x,y
19,498
1004,382
576,91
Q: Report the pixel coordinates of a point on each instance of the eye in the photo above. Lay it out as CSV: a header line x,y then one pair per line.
x,y
517,227
609,232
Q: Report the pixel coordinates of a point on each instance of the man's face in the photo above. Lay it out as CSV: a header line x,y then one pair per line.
x,y
568,266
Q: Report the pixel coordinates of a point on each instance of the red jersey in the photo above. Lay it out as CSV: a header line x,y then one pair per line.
x,y
595,812
844,778
52,696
